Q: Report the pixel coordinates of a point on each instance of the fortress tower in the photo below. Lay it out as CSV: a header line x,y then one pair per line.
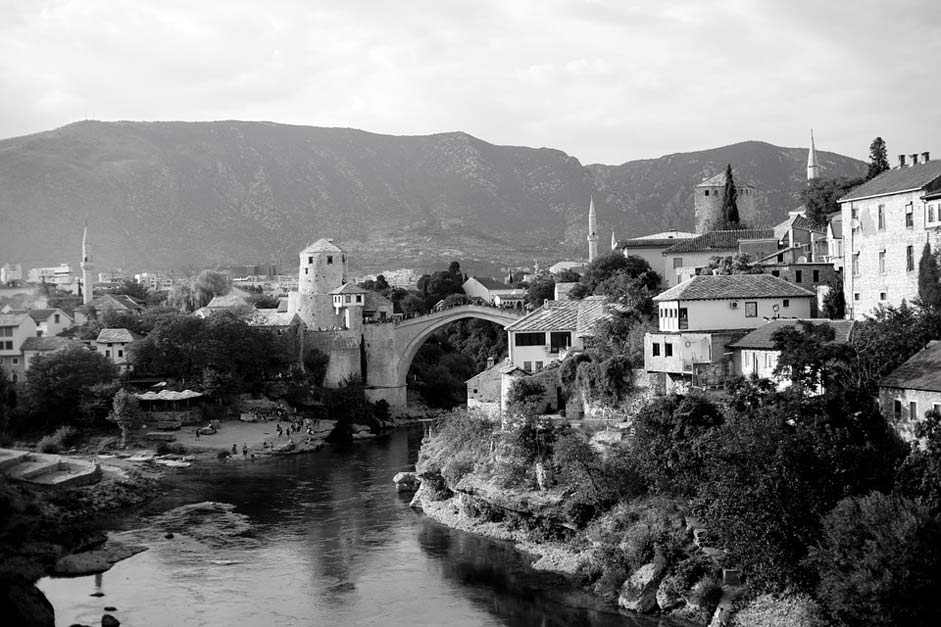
x,y
87,269
322,270
709,195
592,231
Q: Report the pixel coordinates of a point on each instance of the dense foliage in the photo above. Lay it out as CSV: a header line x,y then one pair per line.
x,y
58,384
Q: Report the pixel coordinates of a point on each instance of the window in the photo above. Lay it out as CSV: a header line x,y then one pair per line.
x,y
559,341
909,258
854,213
776,273
816,276
528,366
684,318
706,193
538,366
881,213
780,258
881,262
359,298
909,215
55,318
530,339
856,296
120,353
855,264
931,213
107,353
912,410
798,276
882,295
6,331
8,345
306,270
751,309
16,361
329,260
786,303
936,407
668,349
310,260
655,349
897,409
677,262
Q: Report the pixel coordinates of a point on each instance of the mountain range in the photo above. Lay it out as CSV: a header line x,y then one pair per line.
x,y
176,195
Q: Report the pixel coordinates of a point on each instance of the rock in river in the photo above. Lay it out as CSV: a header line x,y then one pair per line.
x,y
96,560
406,481
639,593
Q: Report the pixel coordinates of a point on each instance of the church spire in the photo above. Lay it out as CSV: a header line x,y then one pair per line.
x,y
592,230
813,170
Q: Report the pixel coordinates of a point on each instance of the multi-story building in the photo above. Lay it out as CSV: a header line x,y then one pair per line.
x,y
701,317
57,275
50,322
113,343
650,247
886,223
10,272
15,329
912,390
687,257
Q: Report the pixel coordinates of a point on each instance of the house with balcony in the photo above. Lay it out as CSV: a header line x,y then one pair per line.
x,y
755,353
701,317
886,223
550,332
15,329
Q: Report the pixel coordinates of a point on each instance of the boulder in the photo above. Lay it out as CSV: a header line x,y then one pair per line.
x,y
96,560
406,482
420,494
110,621
25,605
667,595
639,592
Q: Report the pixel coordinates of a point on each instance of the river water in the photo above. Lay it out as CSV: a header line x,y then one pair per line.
x,y
331,544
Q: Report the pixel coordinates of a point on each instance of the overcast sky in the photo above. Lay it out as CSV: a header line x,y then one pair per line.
x,y
604,80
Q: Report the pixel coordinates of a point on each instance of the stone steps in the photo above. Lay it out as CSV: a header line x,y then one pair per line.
x,y
10,458
33,468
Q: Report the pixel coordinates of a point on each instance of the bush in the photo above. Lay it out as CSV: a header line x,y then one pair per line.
x,y
706,595
49,444
768,610
223,454
170,448
63,438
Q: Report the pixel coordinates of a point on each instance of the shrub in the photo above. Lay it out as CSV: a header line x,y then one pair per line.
x,y
798,610
49,444
170,448
63,438
706,594
223,454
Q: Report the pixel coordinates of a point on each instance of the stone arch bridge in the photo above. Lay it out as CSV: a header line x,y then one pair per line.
x,y
389,347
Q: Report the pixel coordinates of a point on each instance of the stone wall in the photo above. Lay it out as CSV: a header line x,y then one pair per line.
x,y
905,423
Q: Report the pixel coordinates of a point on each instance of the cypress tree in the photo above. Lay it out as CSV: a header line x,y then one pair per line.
x,y
878,158
929,280
730,218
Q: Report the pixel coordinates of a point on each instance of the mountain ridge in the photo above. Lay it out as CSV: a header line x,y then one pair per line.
x,y
161,195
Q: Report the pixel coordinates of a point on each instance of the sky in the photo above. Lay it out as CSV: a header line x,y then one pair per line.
x,y
606,81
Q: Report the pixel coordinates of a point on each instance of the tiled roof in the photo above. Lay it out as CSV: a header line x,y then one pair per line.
x,y
836,226
375,302
12,319
270,318
921,372
760,338
733,286
897,180
40,315
718,240
491,284
650,243
232,299
488,373
120,302
47,343
773,256
556,315
567,315
322,246
719,181
116,336
348,288
803,222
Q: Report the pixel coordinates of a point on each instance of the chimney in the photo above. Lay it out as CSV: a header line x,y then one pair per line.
x,y
925,157
490,362
914,158
901,161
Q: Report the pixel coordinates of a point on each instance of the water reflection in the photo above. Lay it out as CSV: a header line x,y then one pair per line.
x,y
331,543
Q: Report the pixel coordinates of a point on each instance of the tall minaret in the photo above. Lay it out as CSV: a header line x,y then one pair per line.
x,y
592,231
87,267
813,170
614,241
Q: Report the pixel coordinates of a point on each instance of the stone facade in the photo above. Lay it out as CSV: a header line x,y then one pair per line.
x,y
897,405
710,194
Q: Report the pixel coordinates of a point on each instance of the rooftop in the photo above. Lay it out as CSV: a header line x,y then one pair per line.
x,y
733,286
106,336
909,178
12,319
323,245
348,288
719,181
40,315
567,315
760,338
718,240
47,343
375,301
490,283
921,372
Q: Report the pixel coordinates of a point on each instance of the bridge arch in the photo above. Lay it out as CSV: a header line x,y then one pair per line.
x,y
410,337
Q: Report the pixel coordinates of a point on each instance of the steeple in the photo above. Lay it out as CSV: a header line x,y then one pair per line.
x,y
592,231
87,267
813,170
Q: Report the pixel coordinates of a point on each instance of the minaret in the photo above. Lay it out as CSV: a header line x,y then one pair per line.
x,y
87,267
592,231
813,170
614,241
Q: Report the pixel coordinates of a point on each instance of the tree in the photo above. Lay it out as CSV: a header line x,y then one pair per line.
x,y
878,561
210,284
729,218
820,196
878,158
568,276
834,302
929,280
541,288
737,264
125,413
132,289
56,383
809,355
615,263
919,477
527,396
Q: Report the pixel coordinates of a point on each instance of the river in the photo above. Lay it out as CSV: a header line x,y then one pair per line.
x,y
332,543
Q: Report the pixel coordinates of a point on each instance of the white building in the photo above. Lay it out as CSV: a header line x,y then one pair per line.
x,y
50,322
886,223
11,272
113,343
487,289
15,329
650,247
686,257
550,332
57,275
701,317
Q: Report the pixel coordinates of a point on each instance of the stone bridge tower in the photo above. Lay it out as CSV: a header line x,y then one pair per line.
x,y
322,270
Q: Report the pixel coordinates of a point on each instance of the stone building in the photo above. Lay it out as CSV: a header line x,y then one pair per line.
x,y
886,223
912,390
687,257
709,195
